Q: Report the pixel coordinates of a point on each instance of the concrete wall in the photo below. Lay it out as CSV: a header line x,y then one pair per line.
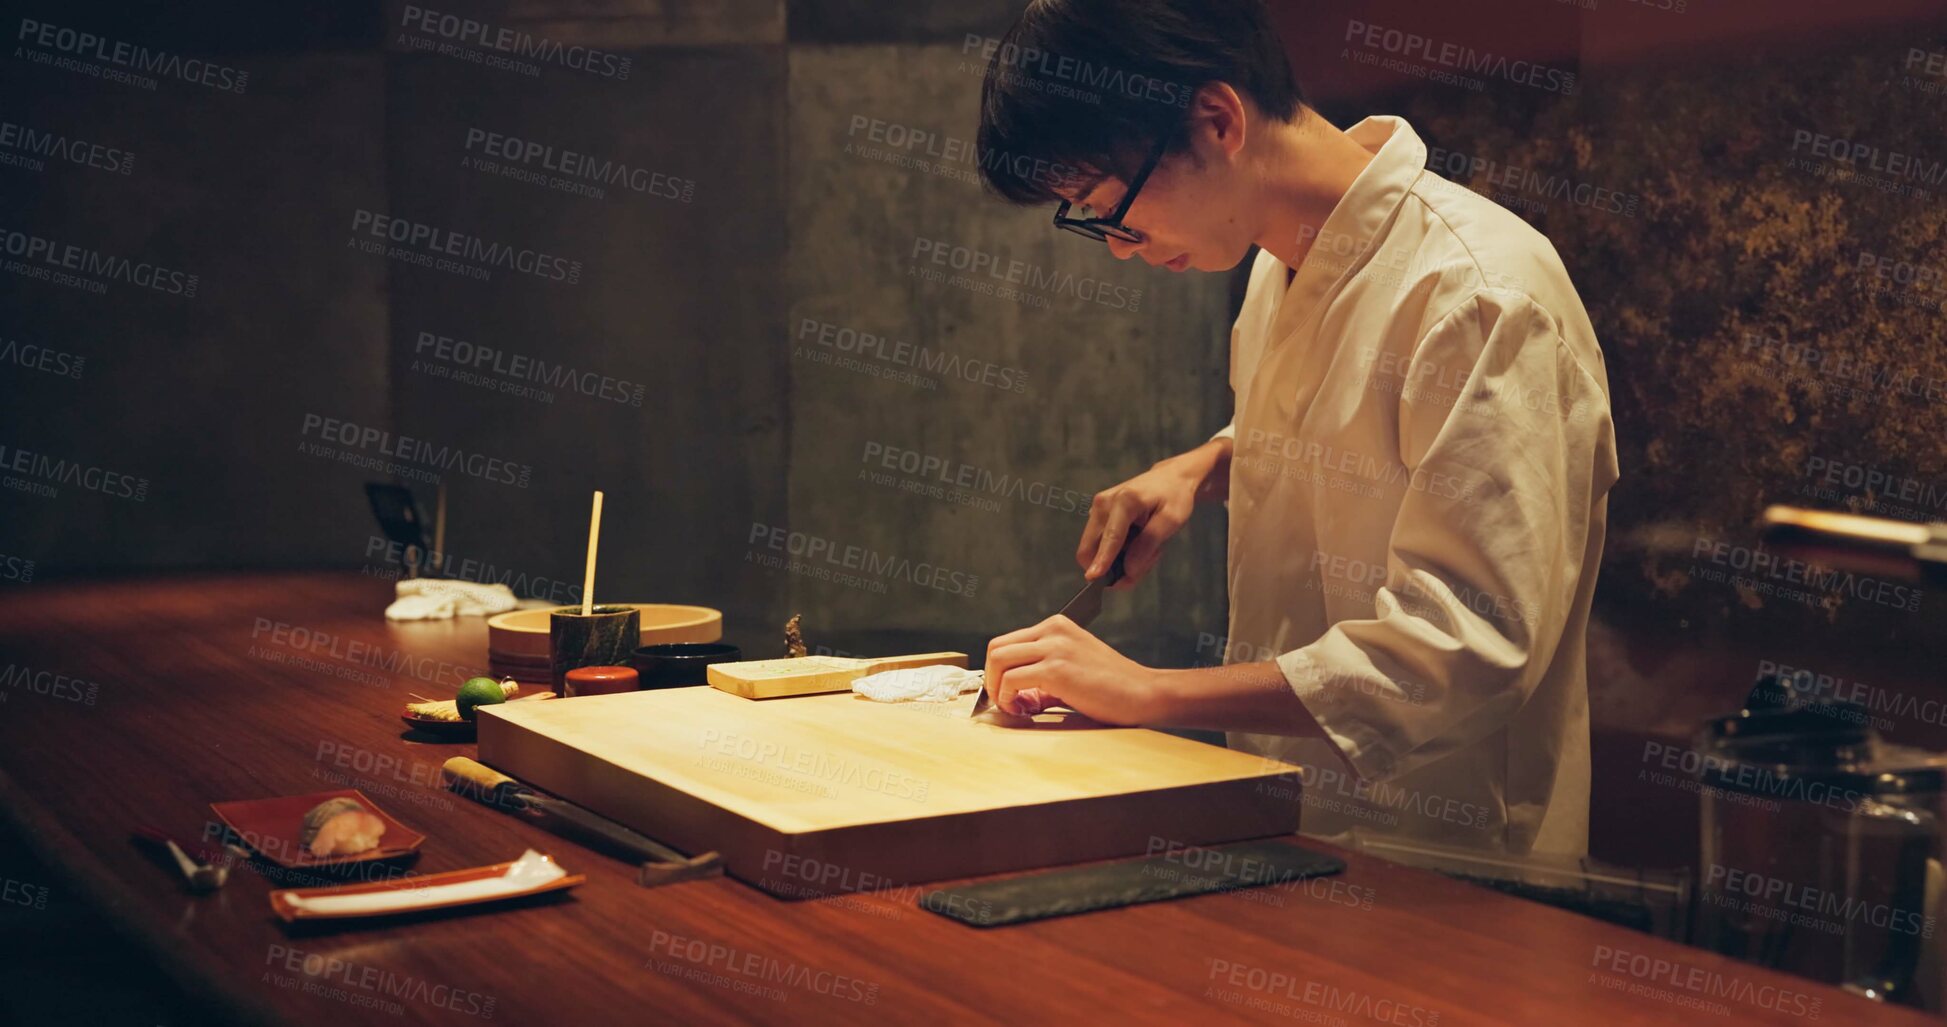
x,y
198,392
756,193
671,327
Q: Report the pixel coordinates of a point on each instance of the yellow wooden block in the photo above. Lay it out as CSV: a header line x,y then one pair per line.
x,y
810,675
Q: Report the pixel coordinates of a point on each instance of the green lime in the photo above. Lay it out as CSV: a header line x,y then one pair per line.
x,y
478,692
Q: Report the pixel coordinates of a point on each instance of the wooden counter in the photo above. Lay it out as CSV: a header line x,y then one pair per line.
x,y
146,700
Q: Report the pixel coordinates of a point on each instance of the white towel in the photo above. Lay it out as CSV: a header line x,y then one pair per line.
x,y
440,598
918,684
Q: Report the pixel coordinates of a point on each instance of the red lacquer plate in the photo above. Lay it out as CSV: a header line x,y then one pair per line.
x,y
270,827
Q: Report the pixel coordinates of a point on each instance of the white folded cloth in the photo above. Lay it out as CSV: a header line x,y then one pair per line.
x,y
918,684
440,598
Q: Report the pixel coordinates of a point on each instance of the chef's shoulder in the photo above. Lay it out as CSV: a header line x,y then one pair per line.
x,y
1466,246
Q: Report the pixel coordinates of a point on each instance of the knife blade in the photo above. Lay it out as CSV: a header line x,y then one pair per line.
x,y
1082,609
658,863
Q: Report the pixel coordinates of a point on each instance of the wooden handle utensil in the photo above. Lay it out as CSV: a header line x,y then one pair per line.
x,y
659,864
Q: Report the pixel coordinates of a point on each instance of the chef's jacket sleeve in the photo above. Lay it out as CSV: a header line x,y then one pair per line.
x,y
1484,555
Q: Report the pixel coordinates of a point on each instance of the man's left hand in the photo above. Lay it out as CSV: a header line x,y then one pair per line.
x,y
1059,663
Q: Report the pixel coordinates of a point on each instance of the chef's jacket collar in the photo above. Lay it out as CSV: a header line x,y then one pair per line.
x,y
1345,240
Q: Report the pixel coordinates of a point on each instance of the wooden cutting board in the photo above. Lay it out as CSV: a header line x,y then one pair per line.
x,y
810,675
835,793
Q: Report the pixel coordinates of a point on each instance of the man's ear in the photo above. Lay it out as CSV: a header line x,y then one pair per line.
x,y
1219,117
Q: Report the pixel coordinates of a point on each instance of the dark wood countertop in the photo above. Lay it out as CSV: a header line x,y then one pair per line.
x,y
161,696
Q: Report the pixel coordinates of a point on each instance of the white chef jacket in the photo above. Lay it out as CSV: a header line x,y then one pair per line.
x,y
1418,494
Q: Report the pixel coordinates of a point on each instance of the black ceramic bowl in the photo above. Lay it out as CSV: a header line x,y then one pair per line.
x,y
679,664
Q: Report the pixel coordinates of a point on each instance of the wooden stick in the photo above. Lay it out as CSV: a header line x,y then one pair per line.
x,y
439,528
594,537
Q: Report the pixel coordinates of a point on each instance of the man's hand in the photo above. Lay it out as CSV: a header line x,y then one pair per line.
x,y
1058,663
1158,502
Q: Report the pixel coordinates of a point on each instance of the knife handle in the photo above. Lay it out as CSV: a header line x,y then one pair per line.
x,y
1116,570
471,777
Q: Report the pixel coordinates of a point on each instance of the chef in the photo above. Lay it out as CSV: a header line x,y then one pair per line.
x,y
1418,466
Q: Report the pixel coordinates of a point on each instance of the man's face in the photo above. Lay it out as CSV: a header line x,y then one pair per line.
x,y
1188,213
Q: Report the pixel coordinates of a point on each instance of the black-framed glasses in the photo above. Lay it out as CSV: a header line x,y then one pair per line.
x,y
1102,229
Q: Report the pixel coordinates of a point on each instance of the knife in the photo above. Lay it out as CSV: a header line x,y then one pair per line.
x,y
659,864
1083,609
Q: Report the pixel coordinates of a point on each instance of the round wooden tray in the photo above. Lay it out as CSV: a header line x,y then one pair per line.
x,y
524,633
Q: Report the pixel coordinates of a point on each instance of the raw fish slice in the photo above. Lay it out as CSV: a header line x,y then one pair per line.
x,y
340,827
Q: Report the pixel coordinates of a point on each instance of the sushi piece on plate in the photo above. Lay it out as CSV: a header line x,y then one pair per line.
x,y
340,827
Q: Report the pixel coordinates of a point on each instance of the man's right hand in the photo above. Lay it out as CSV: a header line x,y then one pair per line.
x,y
1159,502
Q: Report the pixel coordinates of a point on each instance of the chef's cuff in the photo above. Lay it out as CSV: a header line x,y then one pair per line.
x,y
1228,431
1363,749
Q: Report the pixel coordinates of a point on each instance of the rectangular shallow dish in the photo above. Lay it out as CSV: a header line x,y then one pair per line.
x,y
281,900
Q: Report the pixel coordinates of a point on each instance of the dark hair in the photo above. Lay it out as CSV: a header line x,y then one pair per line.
x,y
1082,89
